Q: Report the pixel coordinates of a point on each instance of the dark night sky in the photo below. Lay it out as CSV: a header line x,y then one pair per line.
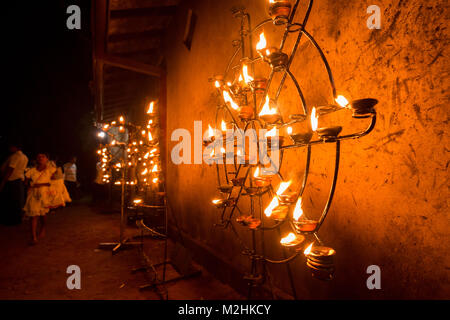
x,y
47,103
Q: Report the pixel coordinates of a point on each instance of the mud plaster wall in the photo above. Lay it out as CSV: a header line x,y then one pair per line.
x,y
391,204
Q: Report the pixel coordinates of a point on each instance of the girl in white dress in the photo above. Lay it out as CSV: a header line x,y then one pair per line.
x,y
39,194
58,191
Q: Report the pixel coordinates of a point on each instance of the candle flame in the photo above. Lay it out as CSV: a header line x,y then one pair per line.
x,y
155,168
150,107
262,44
217,84
222,150
155,180
145,171
342,101
298,211
272,132
283,187
137,201
266,108
256,174
121,119
314,119
273,204
308,250
224,126
228,99
289,238
212,153
150,138
210,131
215,201
239,153
247,77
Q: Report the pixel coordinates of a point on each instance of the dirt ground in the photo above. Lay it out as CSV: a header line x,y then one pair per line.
x,y
73,235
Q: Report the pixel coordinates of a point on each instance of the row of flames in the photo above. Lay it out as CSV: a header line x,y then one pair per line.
x,y
244,81
141,151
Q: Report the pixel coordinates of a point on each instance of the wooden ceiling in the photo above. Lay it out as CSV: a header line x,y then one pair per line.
x,y
127,55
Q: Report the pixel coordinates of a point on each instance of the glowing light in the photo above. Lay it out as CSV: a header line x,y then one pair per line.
x,y
224,126
262,44
210,131
266,110
247,77
256,174
215,201
288,239
144,172
273,204
228,99
121,119
150,107
314,119
222,150
217,84
137,201
308,250
155,180
150,138
342,101
283,187
272,132
289,130
298,211
155,168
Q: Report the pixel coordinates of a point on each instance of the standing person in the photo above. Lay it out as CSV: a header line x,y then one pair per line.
x,y
39,195
12,187
70,177
59,193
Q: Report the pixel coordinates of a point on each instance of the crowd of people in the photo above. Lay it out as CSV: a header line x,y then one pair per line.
x,y
30,190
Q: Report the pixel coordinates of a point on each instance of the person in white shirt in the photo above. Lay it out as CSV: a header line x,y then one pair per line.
x,y
70,178
12,186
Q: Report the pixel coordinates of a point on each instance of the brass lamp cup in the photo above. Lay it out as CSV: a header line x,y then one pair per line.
x,y
363,108
329,133
288,198
271,118
245,113
226,188
295,243
301,138
259,85
249,221
262,181
279,11
305,225
252,191
280,212
224,203
278,60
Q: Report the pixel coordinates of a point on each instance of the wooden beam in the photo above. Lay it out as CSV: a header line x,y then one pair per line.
x,y
99,29
133,4
132,65
144,12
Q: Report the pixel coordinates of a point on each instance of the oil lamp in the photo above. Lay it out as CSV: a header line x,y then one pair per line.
x,y
210,138
326,133
363,108
279,11
268,114
226,188
238,181
222,203
292,240
299,138
320,261
261,181
150,109
278,60
302,225
249,221
280,212
259,85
